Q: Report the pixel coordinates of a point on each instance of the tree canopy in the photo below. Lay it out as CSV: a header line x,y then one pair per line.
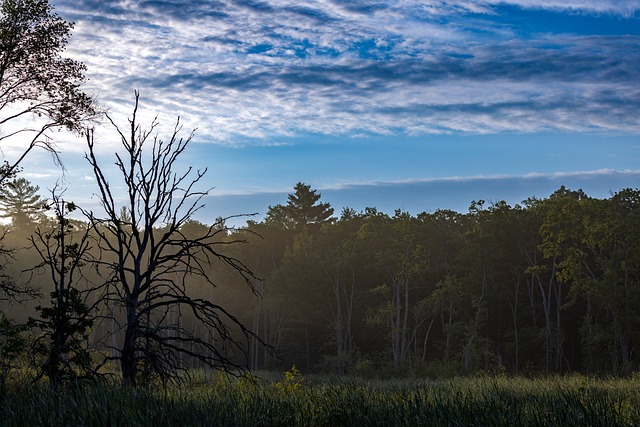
x,y
36,81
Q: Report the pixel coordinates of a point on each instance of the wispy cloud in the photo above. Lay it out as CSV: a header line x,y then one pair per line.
x,y
554,176
247,70
621,7
420,195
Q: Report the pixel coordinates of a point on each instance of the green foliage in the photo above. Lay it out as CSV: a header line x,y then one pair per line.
x,y
551,285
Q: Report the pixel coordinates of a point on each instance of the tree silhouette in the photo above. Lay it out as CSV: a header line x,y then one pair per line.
x,y
64,343
302,209
21,202
36,82
151,264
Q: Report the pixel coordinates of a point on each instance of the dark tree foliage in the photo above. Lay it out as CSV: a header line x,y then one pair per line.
x,y
302,210
13,345
63,345
39,91
552,285
151,264
36,82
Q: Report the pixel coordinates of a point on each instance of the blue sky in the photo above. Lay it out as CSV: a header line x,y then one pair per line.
x,y
416,105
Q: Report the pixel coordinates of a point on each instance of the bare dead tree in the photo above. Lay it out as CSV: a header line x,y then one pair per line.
x,y
150,263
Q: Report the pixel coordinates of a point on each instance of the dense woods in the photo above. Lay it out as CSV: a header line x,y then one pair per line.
x,y
550,285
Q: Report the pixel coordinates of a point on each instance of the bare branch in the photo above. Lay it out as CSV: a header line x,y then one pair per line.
x,y
150,264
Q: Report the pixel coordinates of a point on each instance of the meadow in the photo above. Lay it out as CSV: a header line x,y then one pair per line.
x,y
213,399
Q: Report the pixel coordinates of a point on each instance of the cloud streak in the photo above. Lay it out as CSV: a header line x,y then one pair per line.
x,y
428,195
244,71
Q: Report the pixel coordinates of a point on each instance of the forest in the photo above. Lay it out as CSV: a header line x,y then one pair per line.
x,y
548,286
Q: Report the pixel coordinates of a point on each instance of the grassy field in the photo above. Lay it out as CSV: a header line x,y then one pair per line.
x,y
212,399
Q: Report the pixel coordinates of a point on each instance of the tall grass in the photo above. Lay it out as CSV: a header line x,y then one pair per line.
x,y
215,400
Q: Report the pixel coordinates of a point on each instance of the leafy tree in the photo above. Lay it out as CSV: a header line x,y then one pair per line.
x,y
562,232
398,260
39,92
21,202
598,248
36,82
66,323
150,263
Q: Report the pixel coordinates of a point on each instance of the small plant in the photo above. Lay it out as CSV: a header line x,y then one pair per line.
x,y
246,383
293,381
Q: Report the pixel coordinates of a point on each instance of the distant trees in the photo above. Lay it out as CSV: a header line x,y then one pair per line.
x,y
39,89
151,264
552,285
397,258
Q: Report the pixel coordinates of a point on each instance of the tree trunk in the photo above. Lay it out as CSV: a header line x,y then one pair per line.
x,y
128,360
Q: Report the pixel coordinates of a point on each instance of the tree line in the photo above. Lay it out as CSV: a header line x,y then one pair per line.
x,y
548,285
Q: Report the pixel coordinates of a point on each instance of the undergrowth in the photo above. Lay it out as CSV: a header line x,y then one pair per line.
x,y
215,399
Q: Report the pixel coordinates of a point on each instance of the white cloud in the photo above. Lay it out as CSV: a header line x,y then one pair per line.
x,y
621,7
242,71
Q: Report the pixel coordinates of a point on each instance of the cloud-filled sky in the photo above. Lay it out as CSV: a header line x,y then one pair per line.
x,y
407,104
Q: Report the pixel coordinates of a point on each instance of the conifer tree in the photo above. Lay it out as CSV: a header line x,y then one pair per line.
x,y
21,202
302,209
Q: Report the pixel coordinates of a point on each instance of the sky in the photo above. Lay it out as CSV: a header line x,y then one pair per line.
x,y
403,104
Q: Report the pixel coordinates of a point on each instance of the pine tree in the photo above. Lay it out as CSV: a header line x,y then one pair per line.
x,y
302,209
20,201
